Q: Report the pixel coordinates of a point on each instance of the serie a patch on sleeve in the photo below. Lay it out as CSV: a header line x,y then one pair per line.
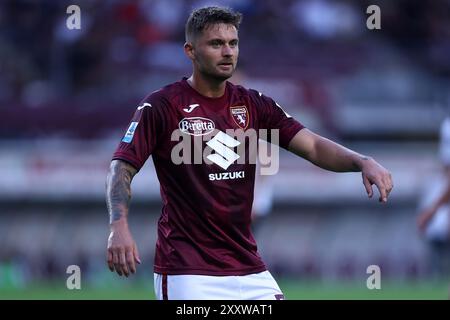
x,y
130,132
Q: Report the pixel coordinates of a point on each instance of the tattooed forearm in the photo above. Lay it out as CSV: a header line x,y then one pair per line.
x,y
118,189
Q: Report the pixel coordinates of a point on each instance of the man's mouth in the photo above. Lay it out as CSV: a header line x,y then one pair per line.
x,y
226,66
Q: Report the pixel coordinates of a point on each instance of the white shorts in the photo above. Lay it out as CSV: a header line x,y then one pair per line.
x,y
256,286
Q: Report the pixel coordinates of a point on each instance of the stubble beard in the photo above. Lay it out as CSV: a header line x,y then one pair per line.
x,y
216,76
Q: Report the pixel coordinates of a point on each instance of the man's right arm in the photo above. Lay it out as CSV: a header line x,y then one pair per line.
x,y
118,189
122,251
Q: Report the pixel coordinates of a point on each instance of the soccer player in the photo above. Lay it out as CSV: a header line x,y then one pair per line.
x,y
434,219
438,205
205,249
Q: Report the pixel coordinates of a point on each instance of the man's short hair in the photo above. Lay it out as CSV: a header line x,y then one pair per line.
x,y
201,18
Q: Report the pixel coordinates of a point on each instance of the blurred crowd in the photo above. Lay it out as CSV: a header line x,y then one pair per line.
x,y
126,49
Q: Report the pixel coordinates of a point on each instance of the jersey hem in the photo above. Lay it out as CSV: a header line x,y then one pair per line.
x,y
285,144
204,272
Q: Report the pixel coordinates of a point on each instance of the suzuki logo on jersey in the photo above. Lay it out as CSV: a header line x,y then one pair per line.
x,y
222,144
240,116
224,148
196,126
227,175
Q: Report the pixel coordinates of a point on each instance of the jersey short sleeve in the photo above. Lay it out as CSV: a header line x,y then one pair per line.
x,y
143,132
272,116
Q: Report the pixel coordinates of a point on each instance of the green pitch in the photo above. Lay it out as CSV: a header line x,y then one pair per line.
x,y
293,290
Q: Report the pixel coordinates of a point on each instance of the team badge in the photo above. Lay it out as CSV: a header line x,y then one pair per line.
x,y
130,132
240,116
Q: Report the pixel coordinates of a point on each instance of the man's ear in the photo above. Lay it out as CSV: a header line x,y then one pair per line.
x,y
189,50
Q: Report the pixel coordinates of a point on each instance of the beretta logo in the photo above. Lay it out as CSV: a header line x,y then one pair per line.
x,y
196,126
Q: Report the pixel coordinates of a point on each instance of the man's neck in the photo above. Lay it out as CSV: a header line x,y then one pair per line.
x,y
207,87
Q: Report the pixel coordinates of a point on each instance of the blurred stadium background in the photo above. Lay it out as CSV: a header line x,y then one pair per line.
x,y
66,97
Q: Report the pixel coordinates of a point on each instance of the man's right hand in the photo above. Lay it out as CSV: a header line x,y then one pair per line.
x,y
122,252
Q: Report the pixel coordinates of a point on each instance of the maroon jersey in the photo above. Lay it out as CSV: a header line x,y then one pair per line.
x,y
204,227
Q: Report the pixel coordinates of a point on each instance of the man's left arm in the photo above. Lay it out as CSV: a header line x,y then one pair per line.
x,y
332,156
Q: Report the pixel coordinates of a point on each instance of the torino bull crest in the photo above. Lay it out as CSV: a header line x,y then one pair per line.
x,y
240,116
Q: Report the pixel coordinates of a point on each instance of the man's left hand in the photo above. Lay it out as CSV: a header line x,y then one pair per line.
x,y
374,173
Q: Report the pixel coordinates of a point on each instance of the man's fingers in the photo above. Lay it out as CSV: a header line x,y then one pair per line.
x,y
368,186
130,261
116,263
388,182
123,262
136,254
109,260
383,192
376,174
389,187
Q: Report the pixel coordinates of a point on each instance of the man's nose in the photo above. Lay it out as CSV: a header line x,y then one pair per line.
x,y
227,51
